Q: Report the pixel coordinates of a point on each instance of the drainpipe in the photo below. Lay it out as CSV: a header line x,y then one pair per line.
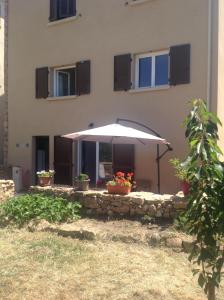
x,y
209,74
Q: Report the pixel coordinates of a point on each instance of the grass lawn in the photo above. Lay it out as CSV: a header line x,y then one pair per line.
x,y
43,265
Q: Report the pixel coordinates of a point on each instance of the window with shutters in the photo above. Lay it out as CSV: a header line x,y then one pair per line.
x,y
152,70
64,82
61,9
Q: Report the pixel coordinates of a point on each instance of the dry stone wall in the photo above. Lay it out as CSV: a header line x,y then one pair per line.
x,y
134,204
7,189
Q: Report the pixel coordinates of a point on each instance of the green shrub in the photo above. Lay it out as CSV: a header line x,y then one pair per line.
x,y
22,209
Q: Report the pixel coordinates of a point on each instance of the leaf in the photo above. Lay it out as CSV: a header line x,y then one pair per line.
x,y
201,280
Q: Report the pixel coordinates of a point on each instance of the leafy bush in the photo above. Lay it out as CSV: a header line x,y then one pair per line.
x,y
180,171
22,209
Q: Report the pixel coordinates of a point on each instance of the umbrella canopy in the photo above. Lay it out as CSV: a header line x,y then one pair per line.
x,y
116,134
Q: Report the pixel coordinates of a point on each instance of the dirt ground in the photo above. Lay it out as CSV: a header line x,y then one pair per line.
x,y
46,263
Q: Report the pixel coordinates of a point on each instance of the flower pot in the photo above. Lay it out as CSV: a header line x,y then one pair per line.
x,y
45,181
185,186
83,185
117,189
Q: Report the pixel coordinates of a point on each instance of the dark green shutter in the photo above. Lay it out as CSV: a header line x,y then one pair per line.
x,y
122,72
42,82
53,10
180,61
83,77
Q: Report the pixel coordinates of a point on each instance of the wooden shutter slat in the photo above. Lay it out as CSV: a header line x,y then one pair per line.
x,y
63,160
66,9
83,77
73,7
42,82
180,60
122,72
53,10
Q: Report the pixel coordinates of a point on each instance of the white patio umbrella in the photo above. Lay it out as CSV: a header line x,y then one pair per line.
x,y
116,134
119,134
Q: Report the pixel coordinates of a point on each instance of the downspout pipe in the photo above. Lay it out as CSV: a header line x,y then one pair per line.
x,y
209,72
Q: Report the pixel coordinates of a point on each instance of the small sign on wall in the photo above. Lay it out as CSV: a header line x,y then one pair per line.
x,y
22,145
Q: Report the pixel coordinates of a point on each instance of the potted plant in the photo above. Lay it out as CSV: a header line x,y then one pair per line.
x,y
45,177
121,184
181,174
82,182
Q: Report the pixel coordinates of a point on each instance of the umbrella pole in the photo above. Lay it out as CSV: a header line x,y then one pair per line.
x,y
158,168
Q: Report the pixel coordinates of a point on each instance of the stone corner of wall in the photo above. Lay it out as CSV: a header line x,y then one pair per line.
x,y
7,190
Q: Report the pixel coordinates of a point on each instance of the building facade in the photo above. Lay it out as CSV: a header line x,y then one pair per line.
x,y
79,64
3,135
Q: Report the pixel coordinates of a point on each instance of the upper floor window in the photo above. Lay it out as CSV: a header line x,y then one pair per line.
x,y
61,9
152,70
64,82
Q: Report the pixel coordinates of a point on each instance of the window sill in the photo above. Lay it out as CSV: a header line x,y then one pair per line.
x,y
137,2
143,90
62,98
62,21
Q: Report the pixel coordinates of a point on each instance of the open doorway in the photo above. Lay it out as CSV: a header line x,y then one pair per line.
x,y
105,162
41,154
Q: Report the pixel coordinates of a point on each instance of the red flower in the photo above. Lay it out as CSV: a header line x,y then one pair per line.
x,y
130,174
120,174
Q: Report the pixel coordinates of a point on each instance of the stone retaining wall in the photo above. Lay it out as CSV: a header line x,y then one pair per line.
x,y
134,204
7,189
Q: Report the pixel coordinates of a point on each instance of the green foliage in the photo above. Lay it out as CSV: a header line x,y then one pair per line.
x,y
22,209
180,223
181,172
83,177
44,173
205,214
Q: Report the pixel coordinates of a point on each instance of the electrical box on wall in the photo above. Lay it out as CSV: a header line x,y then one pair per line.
x,y
17,177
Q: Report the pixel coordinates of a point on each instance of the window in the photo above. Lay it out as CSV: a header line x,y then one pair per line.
x,y
61,9
64,82
152,70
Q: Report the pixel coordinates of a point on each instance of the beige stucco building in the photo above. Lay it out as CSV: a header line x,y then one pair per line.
x,y
74,64
2,78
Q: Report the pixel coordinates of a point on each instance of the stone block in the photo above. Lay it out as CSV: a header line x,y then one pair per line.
x,y
138,201
180,204
90,203
121,209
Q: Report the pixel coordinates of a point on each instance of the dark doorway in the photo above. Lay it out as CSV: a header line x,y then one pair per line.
x,y
89,160
63,160
41,154
123,158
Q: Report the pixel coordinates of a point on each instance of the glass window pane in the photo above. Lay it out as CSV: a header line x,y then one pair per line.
x,y
145,72
63,84
162,64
